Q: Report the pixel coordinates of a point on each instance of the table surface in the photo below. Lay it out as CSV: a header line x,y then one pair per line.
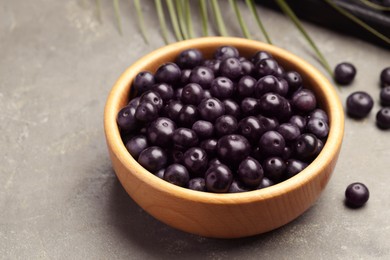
x,y
59,197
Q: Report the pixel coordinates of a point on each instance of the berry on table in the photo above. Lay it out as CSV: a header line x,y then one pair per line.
x,y
359,104
356,195
344,73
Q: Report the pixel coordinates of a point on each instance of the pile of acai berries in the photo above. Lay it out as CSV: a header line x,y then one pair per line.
x,y
226,124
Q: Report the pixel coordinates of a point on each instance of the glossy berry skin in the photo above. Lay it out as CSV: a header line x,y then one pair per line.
x,y
304,100
177,174
197,184
225,125
236,187
274,168
218,179
188,115
189,59
344,73
319,113
230,68
165,91
144,81
185,77
318,127
126,119
383,118
246,86
146,112
222,88
290,132
385,96
272,143
153,158
385,77
225,52
168,73
250,128
249,106
271,104
266,67
192,94
232,108
195,160
260,55
267,123
214,162
247,67
160,132
305,146
178,93
210,146
356,195
202,76
184,138
267,84
160,173
232,149
293,79
136,145
213,65
152,97
250,172
172,109
294,166
265,182
359,104
203,129
299,121
210,109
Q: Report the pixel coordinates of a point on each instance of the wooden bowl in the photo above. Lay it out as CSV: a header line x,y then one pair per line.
x,y
224,215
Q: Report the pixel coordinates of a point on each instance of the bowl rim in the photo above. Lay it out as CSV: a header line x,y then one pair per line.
x,y
332,145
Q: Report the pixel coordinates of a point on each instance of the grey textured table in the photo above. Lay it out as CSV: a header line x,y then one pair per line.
x,y
59,197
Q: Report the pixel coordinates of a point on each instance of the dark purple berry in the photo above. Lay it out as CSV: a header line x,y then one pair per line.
x,y
185,77
305,146
265,182
197,184
222,88
287,152
168,73
290,132
319,113
247,67
304,100
299,121
267,84
195,160
146,112
246,86
188,115
126,119
225,125
260,55
210,109
344,73
318,127
192,94
210,146
293,167
177,174
225,52
160,131
144,81
267,123
218,179
213,65
165,91
250,172
230,68
136,145
232,108
250,106
266,67
202,76
160,173
236,187
250,128
153,158
274,168
203,129
152,97
134,102
214,162
184,138
271,104
385,96
272,143
178,93
356,195
172,109
385,77
359,104
232,149
294,80
189,59
383,118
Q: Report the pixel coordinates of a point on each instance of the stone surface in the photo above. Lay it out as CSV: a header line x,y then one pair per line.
x,y
59,197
